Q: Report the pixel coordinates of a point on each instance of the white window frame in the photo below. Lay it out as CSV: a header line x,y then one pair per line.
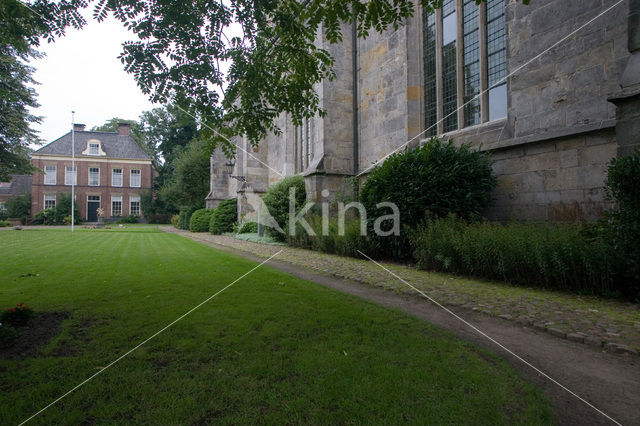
x,y
50,198
113,176
131,174
134,199
50,179
89,176
3,206
67,170
91,148
116,199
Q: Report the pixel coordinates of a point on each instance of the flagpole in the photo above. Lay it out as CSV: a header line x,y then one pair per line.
x,y
73,165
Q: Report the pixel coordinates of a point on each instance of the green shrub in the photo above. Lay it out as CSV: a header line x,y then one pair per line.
x,y
200,219
63,209
623,187
248,228
434,180
4,224
184,218
224,217
560,257
277,201
347,244
17,316
175,219
60,214
158,218
19,206
7,335
129,219
44,217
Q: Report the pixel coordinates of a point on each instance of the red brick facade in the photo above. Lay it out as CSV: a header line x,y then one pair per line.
x,y
105,190
112,151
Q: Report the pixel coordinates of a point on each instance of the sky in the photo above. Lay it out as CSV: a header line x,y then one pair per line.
x,y
82,73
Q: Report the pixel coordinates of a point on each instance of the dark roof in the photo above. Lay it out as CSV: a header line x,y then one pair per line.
x,y
20,184
113,144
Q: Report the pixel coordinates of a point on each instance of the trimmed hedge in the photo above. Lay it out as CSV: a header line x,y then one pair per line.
x,y
184,218
200,219
431,181
224,217
158,218
277,201
623,186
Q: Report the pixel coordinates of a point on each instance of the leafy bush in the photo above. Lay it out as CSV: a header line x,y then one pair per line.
x,y
175,220
4,224
44,217
434,180
248,228
18,316
623,187
129,219
344,245
7,335
224,217
560,257
60,214
63,209
277,201
184,218
19,206
200,219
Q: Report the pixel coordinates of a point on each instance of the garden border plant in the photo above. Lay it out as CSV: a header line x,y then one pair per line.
x,y
224,217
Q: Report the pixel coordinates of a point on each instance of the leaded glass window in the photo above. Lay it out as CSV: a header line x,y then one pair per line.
x,y
471,57
497,59
481,73
449,74
430,97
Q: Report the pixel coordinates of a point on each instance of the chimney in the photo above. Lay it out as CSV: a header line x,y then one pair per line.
x,y
123,129
78,127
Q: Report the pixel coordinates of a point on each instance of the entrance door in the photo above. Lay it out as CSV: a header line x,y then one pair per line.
x,y
93,202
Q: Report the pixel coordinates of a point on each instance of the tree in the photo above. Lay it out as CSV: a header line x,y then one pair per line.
x,y
20,32
16,97
270,44
137,133
19,206
167,128
189,184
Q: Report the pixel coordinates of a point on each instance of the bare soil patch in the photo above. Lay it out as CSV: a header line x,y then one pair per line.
x,y
42,328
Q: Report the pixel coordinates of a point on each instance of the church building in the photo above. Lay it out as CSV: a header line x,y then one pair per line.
x,y
550,89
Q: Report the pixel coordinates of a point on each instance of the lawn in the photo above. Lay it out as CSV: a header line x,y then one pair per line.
x,y
270,349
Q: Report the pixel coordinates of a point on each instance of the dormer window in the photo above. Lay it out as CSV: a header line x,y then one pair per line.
x,y
94,147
